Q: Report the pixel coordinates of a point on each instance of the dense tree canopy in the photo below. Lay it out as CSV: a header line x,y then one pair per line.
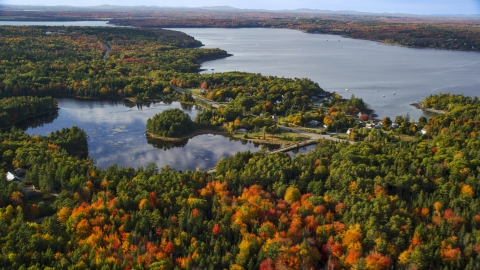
x,y
370,205
170,123
67,61
376,204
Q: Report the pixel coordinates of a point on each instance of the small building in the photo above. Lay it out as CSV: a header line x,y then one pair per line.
x,y
423,131
31,192
394,126
369,125
11,177
349,131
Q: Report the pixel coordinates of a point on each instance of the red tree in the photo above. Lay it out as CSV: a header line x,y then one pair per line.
x,y
216,229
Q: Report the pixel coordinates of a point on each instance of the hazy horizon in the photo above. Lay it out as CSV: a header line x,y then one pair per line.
x,y
423,7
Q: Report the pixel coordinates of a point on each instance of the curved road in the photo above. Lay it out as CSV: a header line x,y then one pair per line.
x,y
107,50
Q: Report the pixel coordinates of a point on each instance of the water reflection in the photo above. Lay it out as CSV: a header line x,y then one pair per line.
x,y
37,121
302,150
187,107
165,145
116,131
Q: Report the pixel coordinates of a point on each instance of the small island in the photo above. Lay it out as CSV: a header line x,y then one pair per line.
x,y
171,125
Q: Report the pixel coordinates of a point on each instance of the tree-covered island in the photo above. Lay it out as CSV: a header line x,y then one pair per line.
x,y
170,124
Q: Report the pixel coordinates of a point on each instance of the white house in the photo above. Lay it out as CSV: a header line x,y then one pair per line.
x,y
11,177
394,126
349,131
423,131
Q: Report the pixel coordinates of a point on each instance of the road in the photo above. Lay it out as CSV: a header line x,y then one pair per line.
x,y
209,102
107,50
313,136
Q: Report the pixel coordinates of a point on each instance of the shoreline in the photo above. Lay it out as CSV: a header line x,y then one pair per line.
x,y
197,132
211,58
419,105
216,131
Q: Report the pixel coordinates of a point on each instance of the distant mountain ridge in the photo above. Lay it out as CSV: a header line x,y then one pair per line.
x,y
144,8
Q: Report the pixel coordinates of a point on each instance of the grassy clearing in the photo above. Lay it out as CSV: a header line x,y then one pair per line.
x,y
195,91
343,136
283,138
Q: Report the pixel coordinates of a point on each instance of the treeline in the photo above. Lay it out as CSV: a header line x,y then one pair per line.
x,y
18,108
370,205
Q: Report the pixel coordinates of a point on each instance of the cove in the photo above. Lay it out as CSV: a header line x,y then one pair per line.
x,y
338,63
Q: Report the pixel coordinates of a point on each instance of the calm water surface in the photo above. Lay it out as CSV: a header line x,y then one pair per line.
x,y
338,63
116,133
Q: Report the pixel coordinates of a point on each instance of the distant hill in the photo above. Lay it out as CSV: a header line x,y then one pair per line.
x,y
143,8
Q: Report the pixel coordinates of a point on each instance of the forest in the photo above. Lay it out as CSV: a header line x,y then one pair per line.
x,y
380,203
67,61
369,205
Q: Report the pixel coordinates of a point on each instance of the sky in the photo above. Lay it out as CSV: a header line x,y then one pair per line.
x,y
426,7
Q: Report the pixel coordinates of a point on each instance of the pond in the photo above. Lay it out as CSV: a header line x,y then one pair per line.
x,y
116,131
